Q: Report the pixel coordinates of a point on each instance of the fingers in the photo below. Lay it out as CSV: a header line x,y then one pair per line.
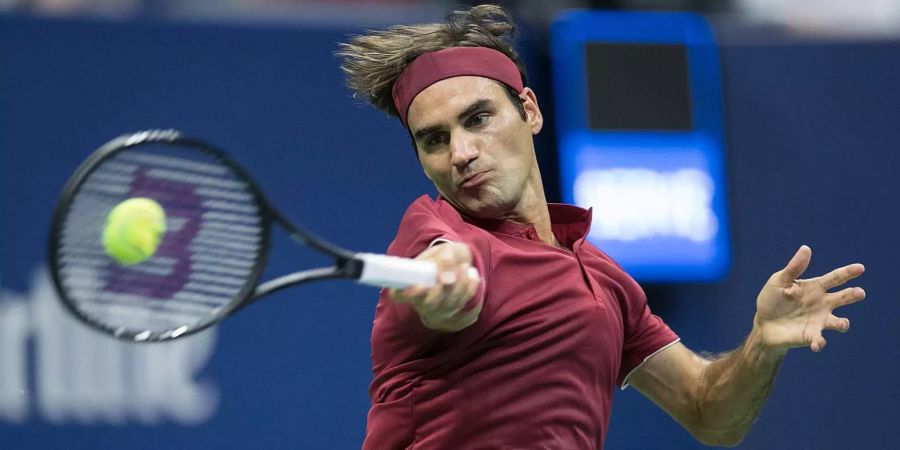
x,y
441,306
835,323
409,295
449,297
453,282
796,266
448,252
474,282
841,275
817,343
447,256
845,297
841,324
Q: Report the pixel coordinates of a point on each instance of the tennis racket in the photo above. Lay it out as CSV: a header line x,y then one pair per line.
x,y
208,262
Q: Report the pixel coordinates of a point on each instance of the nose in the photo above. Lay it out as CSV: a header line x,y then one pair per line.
x,y
463,150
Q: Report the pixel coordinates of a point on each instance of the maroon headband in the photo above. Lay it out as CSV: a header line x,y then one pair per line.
x,y
431,67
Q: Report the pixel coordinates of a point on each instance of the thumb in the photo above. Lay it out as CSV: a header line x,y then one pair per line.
x,y
796,266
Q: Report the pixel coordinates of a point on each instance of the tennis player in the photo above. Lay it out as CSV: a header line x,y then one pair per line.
x,y
527,355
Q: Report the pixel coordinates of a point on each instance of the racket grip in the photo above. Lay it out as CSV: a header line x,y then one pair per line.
x,y
396,272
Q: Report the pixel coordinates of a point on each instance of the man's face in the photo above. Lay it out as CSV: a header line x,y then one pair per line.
x,y
474,145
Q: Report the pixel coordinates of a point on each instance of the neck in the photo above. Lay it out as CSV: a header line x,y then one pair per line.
x,y
532,209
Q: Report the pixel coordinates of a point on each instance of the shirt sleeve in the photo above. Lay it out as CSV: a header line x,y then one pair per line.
x,y
645,333
401,344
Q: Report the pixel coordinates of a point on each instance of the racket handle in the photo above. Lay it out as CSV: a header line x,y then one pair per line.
x,y
396,272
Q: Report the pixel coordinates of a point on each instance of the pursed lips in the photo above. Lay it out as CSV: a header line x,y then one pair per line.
x,y
474,179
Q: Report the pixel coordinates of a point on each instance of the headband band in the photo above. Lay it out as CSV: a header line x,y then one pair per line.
x,y
431,67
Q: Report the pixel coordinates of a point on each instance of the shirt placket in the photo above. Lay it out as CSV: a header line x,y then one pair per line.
x,y
592,284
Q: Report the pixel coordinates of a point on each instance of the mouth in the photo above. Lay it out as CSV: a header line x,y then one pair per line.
x,y
474,180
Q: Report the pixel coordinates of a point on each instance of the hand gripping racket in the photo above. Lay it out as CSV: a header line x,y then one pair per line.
x,y
209,261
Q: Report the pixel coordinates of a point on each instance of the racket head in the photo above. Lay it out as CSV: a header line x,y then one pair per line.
x,y
208,261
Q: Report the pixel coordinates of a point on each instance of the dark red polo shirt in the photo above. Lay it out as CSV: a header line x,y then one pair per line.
x,y
558,331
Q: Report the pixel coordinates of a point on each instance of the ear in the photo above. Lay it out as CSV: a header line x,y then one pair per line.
x,y
532,111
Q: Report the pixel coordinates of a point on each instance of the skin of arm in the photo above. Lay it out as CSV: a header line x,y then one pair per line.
x,y
717,399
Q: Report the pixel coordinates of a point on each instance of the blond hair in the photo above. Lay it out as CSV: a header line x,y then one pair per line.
x,y
372,62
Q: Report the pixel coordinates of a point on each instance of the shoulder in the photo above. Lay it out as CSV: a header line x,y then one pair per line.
x,y
424,209
610,267
628,291
425,221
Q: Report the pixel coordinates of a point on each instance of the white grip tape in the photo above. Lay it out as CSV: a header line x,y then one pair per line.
x,y
396,272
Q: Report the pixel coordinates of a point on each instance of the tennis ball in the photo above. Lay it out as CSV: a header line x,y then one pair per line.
x,y
134,229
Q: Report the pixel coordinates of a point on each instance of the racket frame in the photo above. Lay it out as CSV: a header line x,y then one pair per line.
x,y
247,292
372,269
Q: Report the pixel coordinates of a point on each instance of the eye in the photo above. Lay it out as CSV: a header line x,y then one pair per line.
x,y
435,139
477,120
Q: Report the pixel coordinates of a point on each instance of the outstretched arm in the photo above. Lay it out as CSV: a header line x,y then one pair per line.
x,y
717,399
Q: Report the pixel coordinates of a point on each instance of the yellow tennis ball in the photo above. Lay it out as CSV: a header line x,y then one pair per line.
x,y
134,229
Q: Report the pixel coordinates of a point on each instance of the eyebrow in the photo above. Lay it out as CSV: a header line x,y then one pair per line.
x,y
475,106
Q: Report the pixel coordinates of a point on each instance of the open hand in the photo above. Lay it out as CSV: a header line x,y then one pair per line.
x,y
791,312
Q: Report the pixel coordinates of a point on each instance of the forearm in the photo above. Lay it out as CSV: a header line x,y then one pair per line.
x,y
717,399
732,389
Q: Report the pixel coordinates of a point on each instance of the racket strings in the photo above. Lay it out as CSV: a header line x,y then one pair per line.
x,y
212,245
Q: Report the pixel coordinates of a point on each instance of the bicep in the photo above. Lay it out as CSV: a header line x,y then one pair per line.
x,y
671,379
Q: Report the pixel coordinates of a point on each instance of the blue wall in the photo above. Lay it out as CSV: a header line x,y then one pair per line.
x,y
811,131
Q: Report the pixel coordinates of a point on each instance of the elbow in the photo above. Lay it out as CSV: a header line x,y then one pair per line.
x,y
717,435
719,438
711,430
717,442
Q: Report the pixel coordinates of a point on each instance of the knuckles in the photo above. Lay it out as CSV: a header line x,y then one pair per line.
x,y
440,307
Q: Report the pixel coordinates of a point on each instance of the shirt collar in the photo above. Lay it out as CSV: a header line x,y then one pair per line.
x,y
570,224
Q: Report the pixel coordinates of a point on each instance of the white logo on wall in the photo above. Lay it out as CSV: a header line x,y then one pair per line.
x,y
81,376
641,203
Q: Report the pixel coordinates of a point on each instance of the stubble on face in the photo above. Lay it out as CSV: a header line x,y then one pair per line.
x,y
475,147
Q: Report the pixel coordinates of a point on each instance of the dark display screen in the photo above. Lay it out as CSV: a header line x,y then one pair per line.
x,y
638,87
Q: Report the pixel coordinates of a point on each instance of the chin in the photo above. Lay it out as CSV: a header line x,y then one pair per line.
x,y
485,203
482,208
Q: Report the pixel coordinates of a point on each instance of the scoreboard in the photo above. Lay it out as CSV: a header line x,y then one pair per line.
x,y
639,122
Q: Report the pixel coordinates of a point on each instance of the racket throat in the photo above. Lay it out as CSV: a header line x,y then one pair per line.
x,y
349,268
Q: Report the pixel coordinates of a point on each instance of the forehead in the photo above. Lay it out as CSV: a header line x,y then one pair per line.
x,y
443,100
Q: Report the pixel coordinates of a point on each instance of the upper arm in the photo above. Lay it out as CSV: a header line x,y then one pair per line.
x,y
671,379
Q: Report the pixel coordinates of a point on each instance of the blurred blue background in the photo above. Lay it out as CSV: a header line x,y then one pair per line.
x,y
811,131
